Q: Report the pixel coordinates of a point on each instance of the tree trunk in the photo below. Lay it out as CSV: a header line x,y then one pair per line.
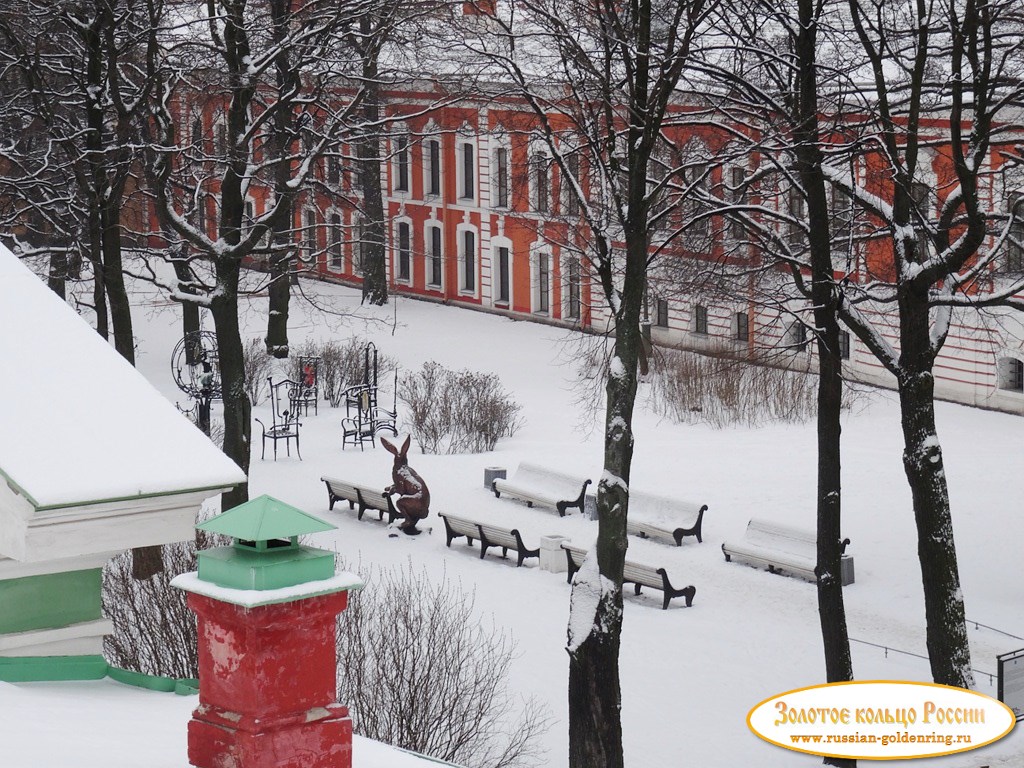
x,y
99,291
280,293
948,649
283,226
113,275
831,609
595,722
57,275
189,310
371,245
237,409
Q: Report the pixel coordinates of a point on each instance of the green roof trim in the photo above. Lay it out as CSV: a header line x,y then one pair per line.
x,y
18,489
265,518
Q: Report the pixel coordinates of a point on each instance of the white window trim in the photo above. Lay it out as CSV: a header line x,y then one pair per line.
x,y
328,266
428,255
496,244
1003,356
460,244
401,131
462,141
500,141
398,221
538,147
432,132
309,257
564,284
536,250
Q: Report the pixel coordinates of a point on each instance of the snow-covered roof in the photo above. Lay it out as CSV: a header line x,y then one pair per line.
x,y
79,425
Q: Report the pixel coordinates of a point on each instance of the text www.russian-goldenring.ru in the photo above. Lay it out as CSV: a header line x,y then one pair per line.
x,y
885,740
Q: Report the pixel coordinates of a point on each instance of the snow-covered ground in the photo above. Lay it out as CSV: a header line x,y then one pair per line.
x,y
689,675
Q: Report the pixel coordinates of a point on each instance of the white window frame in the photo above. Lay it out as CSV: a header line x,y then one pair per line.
x,y
501,141
700,309
460,237
566,292
537,152
400,133
1010,372
432,135
309,245
497,243
461,142
340,242
396,251
539,252
428,254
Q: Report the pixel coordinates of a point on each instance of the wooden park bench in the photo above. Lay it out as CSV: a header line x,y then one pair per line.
x,y
665,518
537,485
363,496
637,574
488,535
782,549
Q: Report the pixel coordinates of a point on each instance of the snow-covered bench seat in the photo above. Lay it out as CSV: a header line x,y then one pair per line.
x,y
537,485
637,574
782,549
662,517
363,496
488,534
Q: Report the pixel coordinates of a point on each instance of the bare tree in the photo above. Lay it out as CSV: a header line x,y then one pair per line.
x,y
421,672
79,84
230,75
616,67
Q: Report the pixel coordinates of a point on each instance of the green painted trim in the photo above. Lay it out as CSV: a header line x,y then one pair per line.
x,y
50,600
153,495
29,669
183,686
14,486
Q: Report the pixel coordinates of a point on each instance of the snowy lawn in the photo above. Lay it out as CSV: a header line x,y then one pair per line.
x,y
689,675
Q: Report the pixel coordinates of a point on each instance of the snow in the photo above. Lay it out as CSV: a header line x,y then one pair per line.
x,y
694,672
252,598
76,408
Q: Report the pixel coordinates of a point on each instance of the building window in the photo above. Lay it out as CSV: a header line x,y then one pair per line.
x,y
742,326
435,257
333,169
573,285
433,154
201,215
404,252
357,247
844,345
468,179
695,208
309,239
1010,372
468,261
842,221
501,177
700,319
197,133
661,313
220,138
736,195
543,283
1014,259
572,202
402,164
504,292
797,215
335,237
796,338
541,182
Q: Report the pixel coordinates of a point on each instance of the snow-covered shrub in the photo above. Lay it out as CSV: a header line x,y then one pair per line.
x,y
343,365
457,411
154,631
257,365
723,391
419,670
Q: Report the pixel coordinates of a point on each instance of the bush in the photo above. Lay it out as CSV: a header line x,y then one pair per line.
x,y
341,366
457,411
418,670
154,630
722,391
257,364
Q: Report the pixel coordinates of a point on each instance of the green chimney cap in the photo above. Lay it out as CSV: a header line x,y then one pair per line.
x,y
263,519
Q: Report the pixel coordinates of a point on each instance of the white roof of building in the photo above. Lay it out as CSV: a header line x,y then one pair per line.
x,y
78,424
